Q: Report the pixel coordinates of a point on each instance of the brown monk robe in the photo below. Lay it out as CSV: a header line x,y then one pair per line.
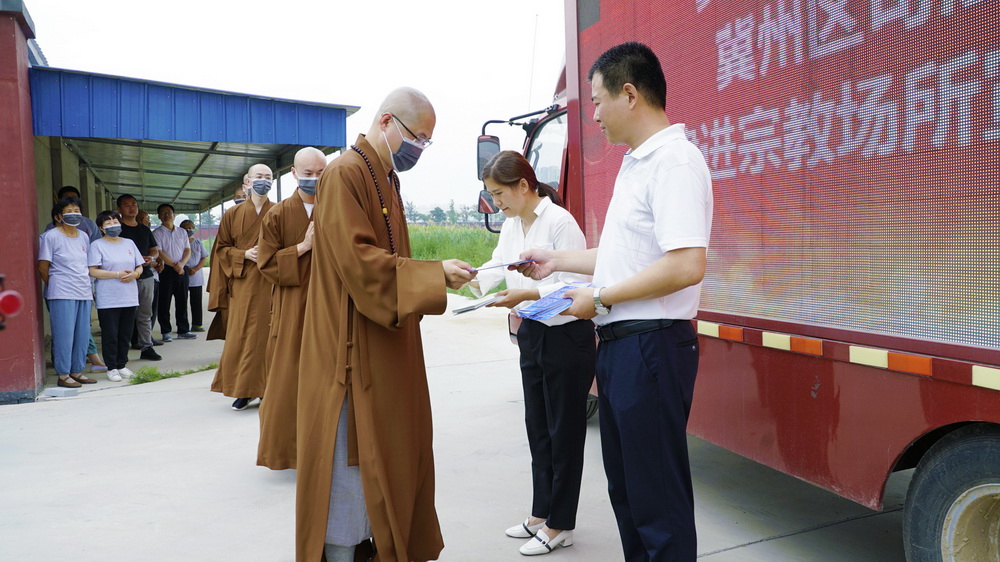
x,y
284,260
219,282
241,372
361,340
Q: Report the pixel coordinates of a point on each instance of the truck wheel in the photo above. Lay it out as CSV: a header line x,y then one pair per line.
x,y
952,509
591,405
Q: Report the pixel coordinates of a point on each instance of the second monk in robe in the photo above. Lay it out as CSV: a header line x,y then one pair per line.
x,y
285,257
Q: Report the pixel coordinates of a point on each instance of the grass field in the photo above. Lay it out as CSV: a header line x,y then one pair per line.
x,y
473,245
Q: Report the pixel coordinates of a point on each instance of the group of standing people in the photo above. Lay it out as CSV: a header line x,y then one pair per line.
x,y
112,264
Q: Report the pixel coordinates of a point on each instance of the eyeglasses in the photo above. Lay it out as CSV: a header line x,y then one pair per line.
x,y
422,141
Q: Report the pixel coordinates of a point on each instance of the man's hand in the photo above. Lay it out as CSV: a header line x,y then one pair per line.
x,y
509,298
307,243
583,303
158,266
251,254
456,273
542,266
178,268
149,260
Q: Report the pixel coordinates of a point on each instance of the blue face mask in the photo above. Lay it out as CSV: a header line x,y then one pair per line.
x,y
308,185
72,219
113,231
261,186
409,152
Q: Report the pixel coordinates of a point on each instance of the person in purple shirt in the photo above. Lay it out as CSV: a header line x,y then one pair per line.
x,y
62,264
116,263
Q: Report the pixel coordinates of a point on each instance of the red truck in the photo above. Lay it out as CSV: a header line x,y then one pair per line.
x,y
850,316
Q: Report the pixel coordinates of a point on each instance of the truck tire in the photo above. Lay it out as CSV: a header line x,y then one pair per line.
x,y
952,509
591,406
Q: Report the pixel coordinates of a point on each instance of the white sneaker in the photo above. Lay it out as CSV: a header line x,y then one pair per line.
x,y
126,373
113,375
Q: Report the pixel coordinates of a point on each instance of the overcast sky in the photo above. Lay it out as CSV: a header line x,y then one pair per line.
x,y
474,60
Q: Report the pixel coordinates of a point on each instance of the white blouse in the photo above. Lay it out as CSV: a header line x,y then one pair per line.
x,y
553,229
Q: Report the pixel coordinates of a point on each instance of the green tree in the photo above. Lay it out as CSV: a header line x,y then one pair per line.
x,y
452,213
437,215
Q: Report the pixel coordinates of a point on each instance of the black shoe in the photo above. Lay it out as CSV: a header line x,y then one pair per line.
x,y
197,329
157,342
150,354
241,403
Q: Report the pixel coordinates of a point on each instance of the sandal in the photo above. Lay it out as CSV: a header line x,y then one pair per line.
x,y
82,378
68,383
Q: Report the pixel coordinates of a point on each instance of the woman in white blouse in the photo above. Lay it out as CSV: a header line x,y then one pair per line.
x,y
557,356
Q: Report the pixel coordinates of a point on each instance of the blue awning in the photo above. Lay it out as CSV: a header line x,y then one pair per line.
x,y
172,143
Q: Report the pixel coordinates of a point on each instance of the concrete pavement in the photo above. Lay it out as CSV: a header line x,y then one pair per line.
x,y
166,471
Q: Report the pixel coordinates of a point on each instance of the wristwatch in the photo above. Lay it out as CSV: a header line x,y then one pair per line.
x,y
599,307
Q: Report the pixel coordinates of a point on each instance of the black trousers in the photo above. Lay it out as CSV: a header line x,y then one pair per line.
x,y
557,369
194,296
116,334
645,386
173,286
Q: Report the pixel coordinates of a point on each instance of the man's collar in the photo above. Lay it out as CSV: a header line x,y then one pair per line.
x,y
659,139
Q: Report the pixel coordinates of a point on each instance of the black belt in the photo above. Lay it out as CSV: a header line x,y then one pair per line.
x,y
626,328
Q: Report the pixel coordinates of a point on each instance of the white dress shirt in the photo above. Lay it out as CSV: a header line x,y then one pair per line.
x,y
172,242
553,229
662,201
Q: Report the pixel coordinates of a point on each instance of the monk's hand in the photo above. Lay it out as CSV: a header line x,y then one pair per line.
x,y
583,303
542,265
456,273
251,254
307,243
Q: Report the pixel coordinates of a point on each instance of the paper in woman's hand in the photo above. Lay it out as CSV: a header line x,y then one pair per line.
x,y
476,305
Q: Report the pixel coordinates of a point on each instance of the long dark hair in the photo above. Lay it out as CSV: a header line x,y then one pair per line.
x,y
509,167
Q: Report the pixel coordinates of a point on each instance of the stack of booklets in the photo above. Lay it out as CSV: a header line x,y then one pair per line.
x,y
551,304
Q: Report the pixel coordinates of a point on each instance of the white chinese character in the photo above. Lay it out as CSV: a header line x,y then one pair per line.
x,y
821,125
762,144
920,101
736,58
780,33
851,135
831,28
882,16
719,147
878,119
701,4
992,71
958,93
796,127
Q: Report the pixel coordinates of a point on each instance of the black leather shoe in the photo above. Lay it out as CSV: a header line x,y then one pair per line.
x,y
149,354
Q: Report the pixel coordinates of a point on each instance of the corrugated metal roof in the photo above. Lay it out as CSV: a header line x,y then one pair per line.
x,y
172,143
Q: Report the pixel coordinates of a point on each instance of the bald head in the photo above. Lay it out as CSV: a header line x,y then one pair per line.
x,y
309,157
409,104
260,171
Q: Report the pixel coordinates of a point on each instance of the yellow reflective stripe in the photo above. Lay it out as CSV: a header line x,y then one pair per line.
x,y
777,341
986,377
871,357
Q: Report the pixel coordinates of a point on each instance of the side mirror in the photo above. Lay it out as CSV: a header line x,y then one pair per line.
x,y
488,147
486,205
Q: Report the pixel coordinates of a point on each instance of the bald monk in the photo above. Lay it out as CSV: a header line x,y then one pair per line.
x,y
241,372
284,257
365,464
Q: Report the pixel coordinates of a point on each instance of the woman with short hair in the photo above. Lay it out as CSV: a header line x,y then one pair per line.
x,y
116,264
62,264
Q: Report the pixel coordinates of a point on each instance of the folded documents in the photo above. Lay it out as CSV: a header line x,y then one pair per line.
x,y
550,305
476,305
501,265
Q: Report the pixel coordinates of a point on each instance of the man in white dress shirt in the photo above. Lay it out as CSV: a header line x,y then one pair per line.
x,y
647,273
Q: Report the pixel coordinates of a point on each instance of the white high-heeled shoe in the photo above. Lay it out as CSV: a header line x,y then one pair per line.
x,y
541,544
524,531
